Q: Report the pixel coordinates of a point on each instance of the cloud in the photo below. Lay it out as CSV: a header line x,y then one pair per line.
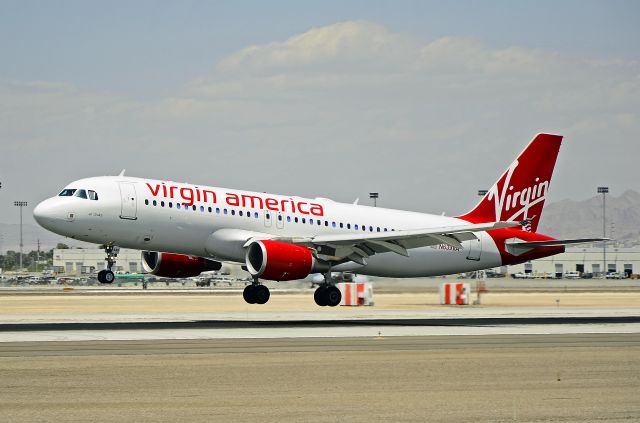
x,y
341,109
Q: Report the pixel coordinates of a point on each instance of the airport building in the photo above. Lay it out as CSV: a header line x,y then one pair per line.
x,y
82,261
585,260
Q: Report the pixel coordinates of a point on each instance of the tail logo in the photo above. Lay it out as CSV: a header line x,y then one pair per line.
x,y
517,202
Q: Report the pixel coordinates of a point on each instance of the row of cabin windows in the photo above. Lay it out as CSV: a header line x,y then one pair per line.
x,y
295,219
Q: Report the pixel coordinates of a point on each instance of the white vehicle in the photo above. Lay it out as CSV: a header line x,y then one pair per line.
x,y
572,275
186,229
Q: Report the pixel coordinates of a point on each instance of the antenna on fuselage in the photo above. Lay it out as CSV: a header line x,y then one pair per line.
x,y
122,173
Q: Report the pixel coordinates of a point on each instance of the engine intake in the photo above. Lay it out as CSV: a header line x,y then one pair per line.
x,y
280,261
171,265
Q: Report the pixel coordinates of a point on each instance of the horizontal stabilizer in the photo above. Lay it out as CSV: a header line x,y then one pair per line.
x,y
555,242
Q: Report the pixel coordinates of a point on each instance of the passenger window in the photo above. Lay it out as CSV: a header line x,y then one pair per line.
x,y
217,210
355,226
178,206
170,205
288,218
295,219
225,211
333,224
364,228
93,195
378,229
349,226
370,228
146,202
256,214
303,220
268,216
67,192
162,203
385,229
310,221
319,222
210,210
155,203
233,212
202,209
280,218
240,213
341,225
81,194
326,223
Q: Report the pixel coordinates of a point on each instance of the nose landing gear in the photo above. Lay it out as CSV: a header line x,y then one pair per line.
x,y
107,276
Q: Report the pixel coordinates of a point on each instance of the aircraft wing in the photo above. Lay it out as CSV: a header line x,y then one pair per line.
x,y
357,247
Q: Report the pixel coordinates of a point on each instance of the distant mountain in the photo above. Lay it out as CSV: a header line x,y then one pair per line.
x,y
583,219
10,238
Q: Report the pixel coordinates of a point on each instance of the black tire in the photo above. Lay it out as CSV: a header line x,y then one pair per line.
x,y
261,294
320,296
333,296
249,294
109,277
101,276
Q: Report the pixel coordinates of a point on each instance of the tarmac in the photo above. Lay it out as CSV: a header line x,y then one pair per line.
x,y
81,355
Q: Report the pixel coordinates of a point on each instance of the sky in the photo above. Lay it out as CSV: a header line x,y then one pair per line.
x,y
424,102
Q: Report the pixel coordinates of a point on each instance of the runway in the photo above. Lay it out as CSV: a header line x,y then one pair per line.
x,y
569,357
569,378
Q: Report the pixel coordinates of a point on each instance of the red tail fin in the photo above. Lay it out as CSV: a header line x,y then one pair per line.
x,y
520,192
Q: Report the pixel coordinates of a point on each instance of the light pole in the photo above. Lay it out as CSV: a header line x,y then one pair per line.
x,y
604,191
374,196
20,204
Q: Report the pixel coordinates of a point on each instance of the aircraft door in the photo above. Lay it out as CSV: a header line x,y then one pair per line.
x,y
128,201
475,248
279,220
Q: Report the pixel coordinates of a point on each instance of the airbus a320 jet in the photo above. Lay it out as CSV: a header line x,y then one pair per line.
x,y
185,229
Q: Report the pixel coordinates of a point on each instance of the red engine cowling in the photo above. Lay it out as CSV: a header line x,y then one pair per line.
x,y
279,261
171,265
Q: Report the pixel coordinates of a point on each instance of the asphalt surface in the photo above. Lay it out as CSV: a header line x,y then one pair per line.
x,y
568,378
390,322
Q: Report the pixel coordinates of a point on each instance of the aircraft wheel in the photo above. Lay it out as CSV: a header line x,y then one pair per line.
x,y
261,294
106,276
249,294
333,296
320,296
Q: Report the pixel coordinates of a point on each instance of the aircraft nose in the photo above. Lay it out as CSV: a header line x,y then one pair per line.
x,y
45,213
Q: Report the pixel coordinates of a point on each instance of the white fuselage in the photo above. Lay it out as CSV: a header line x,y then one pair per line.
x,y
151,215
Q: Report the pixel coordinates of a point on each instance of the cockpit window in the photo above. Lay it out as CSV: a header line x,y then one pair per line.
x,y
81,193
93,195
67,192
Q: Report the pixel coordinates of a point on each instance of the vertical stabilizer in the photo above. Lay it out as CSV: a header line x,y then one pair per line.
x,y
520,192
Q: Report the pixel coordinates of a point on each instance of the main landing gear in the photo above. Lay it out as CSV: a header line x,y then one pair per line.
x,y
327,294
107,276
256,293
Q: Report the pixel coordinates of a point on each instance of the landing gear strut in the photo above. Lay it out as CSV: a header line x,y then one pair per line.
x,y
107,276
256,293
327,294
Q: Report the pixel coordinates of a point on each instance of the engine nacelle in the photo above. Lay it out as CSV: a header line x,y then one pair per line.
x,y
171,265
280,261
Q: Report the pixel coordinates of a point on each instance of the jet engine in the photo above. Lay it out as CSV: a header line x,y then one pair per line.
x,y
280,261
171,265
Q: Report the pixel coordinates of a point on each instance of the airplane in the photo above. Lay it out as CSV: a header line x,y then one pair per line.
x,y
184,229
